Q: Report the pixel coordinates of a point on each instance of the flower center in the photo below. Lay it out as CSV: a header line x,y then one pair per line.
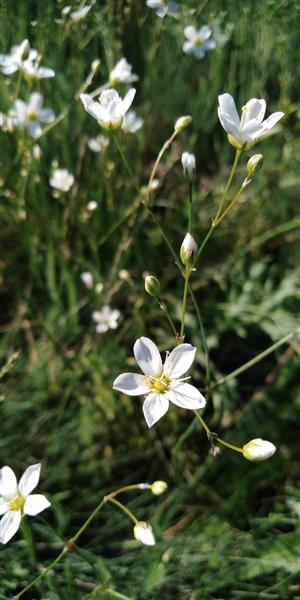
x,y
32,115
198,41
159,384
17,503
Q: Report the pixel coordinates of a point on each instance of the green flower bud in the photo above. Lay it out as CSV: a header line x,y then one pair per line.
x,y
182,123
152,286
159,487
188,250
254,164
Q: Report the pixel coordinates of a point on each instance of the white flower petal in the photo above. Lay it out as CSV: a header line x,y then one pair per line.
x,y
190,32
272,120
35,503
29,479
8,483
254,109
132,384
128,99
4,506
228,124
147,356
93,108
227,106
155,407
143,533
9,525
185,396
179,360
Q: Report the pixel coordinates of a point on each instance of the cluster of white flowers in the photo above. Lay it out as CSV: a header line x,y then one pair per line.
x,y
28,115
25,59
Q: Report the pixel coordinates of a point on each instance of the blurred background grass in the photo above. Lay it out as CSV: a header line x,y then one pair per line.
x,y
226,528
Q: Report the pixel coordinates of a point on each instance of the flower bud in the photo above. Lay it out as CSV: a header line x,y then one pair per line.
x,y
95,65
143,533
182,123
188,250
258,450
189,166
87,279
152,286
158,487
254,164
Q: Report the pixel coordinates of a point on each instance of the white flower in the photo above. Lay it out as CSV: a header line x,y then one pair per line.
x,y
92,205
143,533
16,499
131,122
258,450
10,63
31,115
122,73
110,109
244,132
80,14
32,70
106,318
97,144
197,41
61,180
87,279
189,165
162,7
161,383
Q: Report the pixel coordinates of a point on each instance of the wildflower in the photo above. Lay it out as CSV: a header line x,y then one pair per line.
x,y
10,63
188,250
189,165
162,7
106,318
197,41
92,205
258,450
158,487
160,383
182,123
31,115
61,180
78,15
87,279
16,500
97,144
131,122
143,533
110,109
244,132
33,70
122,73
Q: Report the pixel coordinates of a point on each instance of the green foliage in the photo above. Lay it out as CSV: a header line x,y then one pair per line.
x,y
224,529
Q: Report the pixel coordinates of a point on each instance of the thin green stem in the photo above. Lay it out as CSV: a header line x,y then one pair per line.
x,y
124,509
163,307
126,164
232,172
190,206
257,358
231,204
184,301
165,147
215,437
42,574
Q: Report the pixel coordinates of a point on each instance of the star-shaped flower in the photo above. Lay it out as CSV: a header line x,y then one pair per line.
x,y
161,384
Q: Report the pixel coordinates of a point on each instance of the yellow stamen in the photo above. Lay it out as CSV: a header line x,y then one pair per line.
x,y
158,384
17,503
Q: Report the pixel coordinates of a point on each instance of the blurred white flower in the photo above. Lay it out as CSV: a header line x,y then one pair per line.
x,y
97,144
66,10
78,15
31,115
61,180
188,161
258,450
106,318
32,70
10,63
162,7
294,505
92,205
87,279
197,41
244,132
143,533
160,383
99,287
131,122
36,151
122,73
110,109
16,499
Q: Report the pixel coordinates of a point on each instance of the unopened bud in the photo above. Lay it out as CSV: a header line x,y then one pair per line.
x,y
95,65
189,166
188,250
152,286
255,163
258,450
143,533
159,487
182,123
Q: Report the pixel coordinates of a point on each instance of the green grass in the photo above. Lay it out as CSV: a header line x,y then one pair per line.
x,y
224,529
